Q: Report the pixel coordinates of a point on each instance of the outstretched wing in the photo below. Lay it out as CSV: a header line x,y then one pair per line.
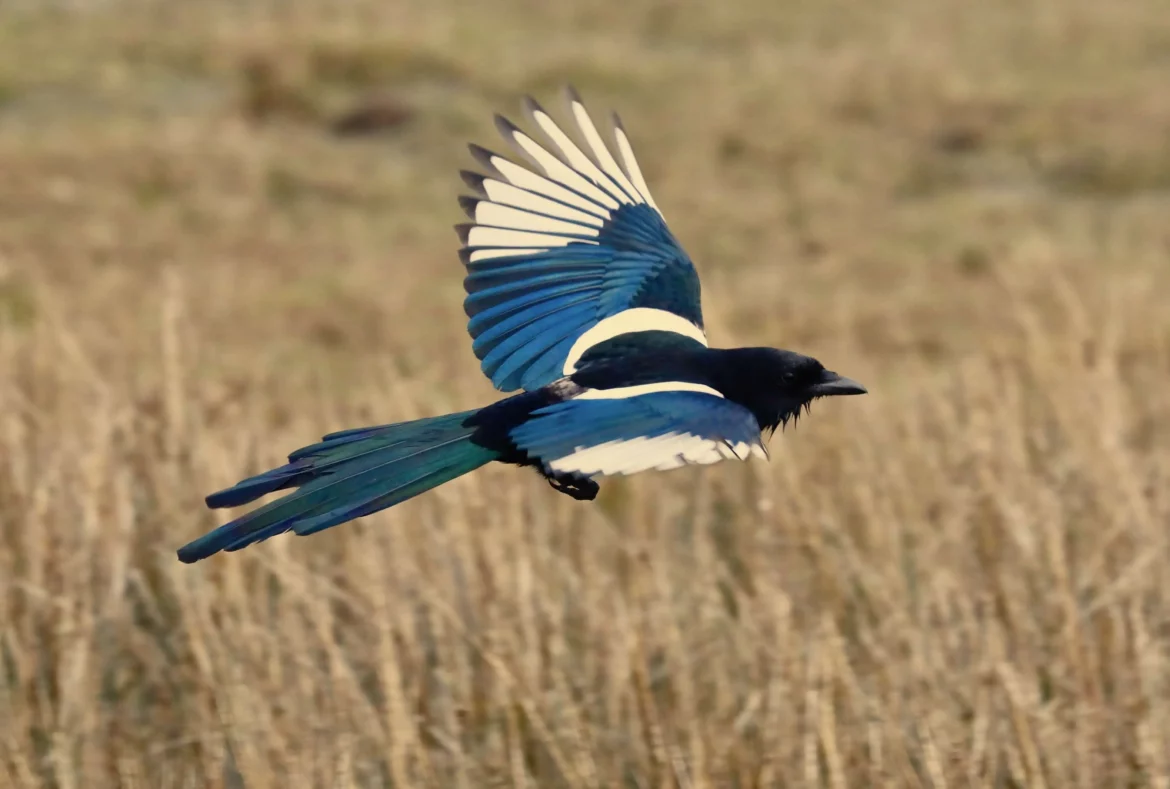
x,y
567,253
660,430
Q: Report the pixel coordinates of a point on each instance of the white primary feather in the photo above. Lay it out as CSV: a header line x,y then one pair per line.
x,y
574,157
581,185
481,236
535,182
558,171
497,215
600,151
631,164
506,194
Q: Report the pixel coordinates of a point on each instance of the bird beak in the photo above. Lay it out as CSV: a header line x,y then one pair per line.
x,y
833,384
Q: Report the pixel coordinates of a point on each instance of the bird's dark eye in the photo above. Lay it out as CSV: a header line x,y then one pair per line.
x,y
788,377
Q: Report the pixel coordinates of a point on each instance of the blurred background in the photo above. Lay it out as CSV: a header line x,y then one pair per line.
x,y
225,229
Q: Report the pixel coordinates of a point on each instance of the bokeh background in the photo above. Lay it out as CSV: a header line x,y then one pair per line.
x,y
225,229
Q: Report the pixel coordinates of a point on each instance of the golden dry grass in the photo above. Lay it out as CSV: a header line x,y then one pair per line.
x,y
959,580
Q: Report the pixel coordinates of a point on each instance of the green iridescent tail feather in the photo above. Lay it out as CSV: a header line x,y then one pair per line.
x,y
345,476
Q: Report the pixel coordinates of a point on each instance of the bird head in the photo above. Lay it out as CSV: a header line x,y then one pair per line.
x,y
776,385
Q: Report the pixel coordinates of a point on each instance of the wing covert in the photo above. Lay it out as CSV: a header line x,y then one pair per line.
x,y
660,430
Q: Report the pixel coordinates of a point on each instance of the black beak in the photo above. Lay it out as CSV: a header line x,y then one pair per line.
x,y
833,384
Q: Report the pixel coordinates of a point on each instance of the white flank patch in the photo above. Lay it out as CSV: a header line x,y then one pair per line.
x,y
659,453
623,392
626,321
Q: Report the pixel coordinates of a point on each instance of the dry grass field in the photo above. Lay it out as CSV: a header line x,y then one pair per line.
x,y
225,230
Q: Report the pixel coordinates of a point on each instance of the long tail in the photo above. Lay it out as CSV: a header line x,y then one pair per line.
x,y
345,476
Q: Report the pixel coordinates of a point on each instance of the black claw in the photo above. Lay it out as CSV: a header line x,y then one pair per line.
x,y
579,488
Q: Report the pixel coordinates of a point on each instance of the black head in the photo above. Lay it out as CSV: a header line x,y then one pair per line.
x,y
777,384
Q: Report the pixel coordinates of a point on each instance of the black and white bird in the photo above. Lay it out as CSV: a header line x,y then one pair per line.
x,y
579,295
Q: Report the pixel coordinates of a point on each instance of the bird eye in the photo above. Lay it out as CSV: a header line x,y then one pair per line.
x,y
788,377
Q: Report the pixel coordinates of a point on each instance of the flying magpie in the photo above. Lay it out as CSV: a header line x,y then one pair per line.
x,y
579,295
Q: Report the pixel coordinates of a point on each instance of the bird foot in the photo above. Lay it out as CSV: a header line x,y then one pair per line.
x,y
580,488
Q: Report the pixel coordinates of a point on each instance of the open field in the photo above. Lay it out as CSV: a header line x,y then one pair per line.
x,y
225,230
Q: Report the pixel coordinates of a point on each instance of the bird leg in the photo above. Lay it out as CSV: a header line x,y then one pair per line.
x,y
580,488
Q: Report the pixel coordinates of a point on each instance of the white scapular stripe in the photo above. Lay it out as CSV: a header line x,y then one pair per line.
x,y
632,320
660,453
622,392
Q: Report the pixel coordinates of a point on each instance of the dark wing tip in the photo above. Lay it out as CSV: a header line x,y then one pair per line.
x,y
512,134
465,257
572,95
464,231
468,204
505,126
531,105
474,181
484,157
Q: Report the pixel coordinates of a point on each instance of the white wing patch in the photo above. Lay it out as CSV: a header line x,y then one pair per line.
x,y
580,187
631,164
538,186
660,453
600,153
481,236
627,321
509,194
499,216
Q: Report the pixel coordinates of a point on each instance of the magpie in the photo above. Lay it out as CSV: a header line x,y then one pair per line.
x,y
579,296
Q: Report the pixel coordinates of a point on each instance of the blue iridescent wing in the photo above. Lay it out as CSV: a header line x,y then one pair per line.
x,y
661,430
566,253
